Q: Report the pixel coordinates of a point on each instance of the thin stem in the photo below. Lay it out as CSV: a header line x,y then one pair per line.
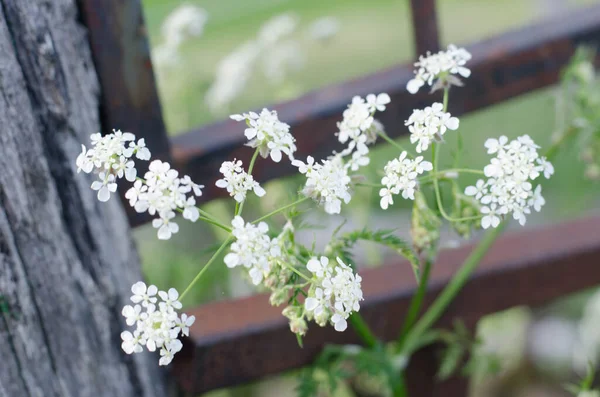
x,y
438,195
552,150
216,223
238,210
209,220
445,173
452,289
293,269
446,91
392,142
285,207
399,388
366,184
205,268
362,330
415,304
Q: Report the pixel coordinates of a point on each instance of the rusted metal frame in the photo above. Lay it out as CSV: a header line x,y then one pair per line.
x,y
239,341
425,26
121,54
503,67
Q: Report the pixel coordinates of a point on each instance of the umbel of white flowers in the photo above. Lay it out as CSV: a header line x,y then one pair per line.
x,y
508,188
157,324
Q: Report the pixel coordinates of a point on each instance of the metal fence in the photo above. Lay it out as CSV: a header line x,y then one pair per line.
x,y
250,340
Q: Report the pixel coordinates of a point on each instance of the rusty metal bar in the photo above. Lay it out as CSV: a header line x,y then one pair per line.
x,y
238,341
121,54
502,67
425,26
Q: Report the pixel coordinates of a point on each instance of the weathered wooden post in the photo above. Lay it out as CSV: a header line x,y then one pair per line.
x,y
66,261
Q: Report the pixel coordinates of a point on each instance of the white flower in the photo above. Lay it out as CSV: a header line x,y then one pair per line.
x,y
190,210
440,65
378,102
143,294
268,134
132,314
401,177
165,226
237,181
327,183
490,217
359,129
185,21
185,323
131,342
105,186
324,28
429,124
252,248
154,329
170,298
508,189
335,293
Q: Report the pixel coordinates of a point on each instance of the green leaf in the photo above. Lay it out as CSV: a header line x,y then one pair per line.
x,y
451,360
307,385
386,238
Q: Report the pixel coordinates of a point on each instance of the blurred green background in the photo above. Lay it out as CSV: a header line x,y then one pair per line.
x,y
372,35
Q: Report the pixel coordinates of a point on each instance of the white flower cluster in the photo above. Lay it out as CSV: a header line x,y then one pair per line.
x,y
508,188
440,65
335,294
163,192
237,181
327,183
401,177
111,157
183,22
267,133
356,126
252,249
157,324
429,124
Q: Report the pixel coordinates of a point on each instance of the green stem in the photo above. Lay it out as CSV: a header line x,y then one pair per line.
x,y
399,388
393,143
285,207
210,261
365,184
215,223
415,304
452,289
446,91
362,330
238,210
293,269
436,188
552,150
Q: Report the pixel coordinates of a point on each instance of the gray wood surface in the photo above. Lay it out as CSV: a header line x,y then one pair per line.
x,y
67,261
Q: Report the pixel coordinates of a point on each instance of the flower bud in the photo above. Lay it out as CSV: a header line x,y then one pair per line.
x,y
279,296
298,326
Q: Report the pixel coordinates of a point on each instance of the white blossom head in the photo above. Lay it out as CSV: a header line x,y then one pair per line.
x,y
187,20
156,321
335,293
401,178
328,183
442,66
509,188
429,125
252,249
268,134
111,157
237,181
